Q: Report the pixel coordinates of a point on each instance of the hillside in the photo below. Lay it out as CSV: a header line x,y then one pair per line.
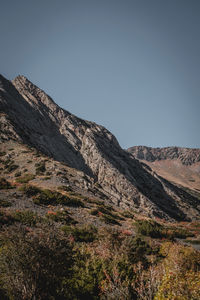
x,y
81,218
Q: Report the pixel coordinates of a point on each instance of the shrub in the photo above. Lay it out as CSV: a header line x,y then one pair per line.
x,y
6,218
85,234
88,273
110,219
48,173
2,153
26,178
127,214
47,197
18,174
107,216
40,168
46,178
4,184
193,242
137,250
8,162
65,188
73,202
180,273
60,216
30,190
149,228
12,167
182,233
5,203
26,217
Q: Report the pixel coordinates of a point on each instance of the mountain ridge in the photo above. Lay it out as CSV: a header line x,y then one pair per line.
x,y
187,156
177,164
35,119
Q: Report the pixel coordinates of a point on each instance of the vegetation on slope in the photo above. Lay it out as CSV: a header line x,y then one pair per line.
x,y
40,259
58,244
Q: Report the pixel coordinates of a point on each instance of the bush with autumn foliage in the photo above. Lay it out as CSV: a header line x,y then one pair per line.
x,y
51,257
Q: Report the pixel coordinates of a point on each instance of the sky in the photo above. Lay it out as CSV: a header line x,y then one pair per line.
x,y
132,66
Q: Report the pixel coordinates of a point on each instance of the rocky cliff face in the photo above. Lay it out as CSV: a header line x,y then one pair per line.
x,y
30,116
186,156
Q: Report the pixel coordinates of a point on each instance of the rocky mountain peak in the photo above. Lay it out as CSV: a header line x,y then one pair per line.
x,y
34,95
31,116
21,78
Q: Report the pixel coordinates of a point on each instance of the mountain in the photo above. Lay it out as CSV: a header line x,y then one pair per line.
x,y
180,165
30,117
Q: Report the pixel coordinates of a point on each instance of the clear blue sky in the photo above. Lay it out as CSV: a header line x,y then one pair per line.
x,y
130,65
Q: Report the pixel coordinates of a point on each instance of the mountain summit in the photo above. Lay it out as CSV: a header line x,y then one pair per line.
x,y
30,116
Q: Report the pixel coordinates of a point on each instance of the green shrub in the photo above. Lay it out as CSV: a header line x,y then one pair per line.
x,y
85,234
26,178
26,217
65,188
18,174
105,213
94,201
8,162
127,214
6,218
101,209
46,178
193,242
40,168
181,233
137,250
60,216
48,173
5,203
88,273
4,184
30,190
67,229
2,153
12,167
149,228
47,197
110,219
73,202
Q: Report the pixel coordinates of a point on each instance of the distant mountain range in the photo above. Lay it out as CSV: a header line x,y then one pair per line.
x,y
30,117
180,165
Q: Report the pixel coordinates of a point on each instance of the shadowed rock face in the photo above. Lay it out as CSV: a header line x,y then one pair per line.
x,y
32,117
